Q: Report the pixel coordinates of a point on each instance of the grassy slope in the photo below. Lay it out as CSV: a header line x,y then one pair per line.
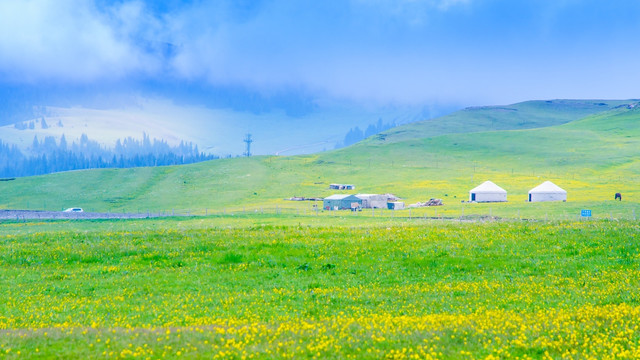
x,y
591,158
524,115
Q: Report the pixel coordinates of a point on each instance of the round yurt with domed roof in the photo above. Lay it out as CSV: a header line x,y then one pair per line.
x,y
487,192
547,191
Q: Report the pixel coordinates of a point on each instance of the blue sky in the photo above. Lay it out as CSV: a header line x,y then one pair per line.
x,y
466,52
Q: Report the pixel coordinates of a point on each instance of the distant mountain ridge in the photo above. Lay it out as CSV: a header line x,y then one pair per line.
x,y
524,115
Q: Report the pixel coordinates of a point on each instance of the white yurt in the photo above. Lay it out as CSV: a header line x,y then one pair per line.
x,y
547,191
488,192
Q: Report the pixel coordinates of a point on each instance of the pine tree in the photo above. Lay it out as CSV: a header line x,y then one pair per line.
x,y
35,146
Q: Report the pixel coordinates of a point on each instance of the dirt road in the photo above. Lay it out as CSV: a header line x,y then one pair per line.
x,y
48,215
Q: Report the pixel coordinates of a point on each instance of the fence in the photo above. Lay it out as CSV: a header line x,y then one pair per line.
x,y
455,212
460,213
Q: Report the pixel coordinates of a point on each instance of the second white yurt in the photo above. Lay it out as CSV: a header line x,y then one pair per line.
x,y
547,191
488,192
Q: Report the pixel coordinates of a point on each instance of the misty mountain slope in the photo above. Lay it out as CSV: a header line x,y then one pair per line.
x,y
591,158
524,115
215,131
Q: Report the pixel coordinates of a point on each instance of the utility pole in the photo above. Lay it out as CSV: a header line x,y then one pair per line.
x,y
248,141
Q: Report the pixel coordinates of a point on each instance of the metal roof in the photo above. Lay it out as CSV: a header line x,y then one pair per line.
x,y
338,197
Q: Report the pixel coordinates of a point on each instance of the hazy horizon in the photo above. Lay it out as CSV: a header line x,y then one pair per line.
x,y
293,58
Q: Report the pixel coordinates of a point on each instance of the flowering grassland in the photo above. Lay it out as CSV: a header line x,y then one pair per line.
x,y
443,290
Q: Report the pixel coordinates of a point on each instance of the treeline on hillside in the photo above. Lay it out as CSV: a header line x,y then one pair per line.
x,y
23,125
356,134
48,155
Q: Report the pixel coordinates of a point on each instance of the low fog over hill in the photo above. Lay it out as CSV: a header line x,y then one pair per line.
x,y
216,131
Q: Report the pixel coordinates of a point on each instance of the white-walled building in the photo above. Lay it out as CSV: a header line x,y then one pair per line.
x,y
488,192
547,191
373,201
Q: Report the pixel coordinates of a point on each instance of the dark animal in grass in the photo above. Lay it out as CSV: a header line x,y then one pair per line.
x,y
618,197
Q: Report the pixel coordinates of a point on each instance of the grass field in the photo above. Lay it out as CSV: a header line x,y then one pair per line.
x,y
592,158
265,286
261,277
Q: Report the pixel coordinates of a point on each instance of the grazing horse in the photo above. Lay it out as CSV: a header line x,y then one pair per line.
x,y
618,197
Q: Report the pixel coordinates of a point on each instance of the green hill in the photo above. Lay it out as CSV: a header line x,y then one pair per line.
x,y
524,115
591,157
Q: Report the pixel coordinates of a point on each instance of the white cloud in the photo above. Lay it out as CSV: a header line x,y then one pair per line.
x,y
447,4
68,40
77,41
412,12
388,50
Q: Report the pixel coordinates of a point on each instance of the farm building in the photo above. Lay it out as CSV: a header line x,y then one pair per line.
x,y
547,191
395,205
391,197
488,192
342,187
341,202
370,201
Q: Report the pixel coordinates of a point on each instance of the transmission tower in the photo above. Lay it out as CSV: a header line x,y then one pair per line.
x,y
248,141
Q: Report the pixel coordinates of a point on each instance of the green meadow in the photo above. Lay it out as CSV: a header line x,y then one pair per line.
x,y
256,276
240,287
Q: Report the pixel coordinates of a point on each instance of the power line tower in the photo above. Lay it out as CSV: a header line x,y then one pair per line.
x,y
248,141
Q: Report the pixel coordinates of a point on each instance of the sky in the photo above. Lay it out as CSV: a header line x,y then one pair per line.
x,y
294,57
468,52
